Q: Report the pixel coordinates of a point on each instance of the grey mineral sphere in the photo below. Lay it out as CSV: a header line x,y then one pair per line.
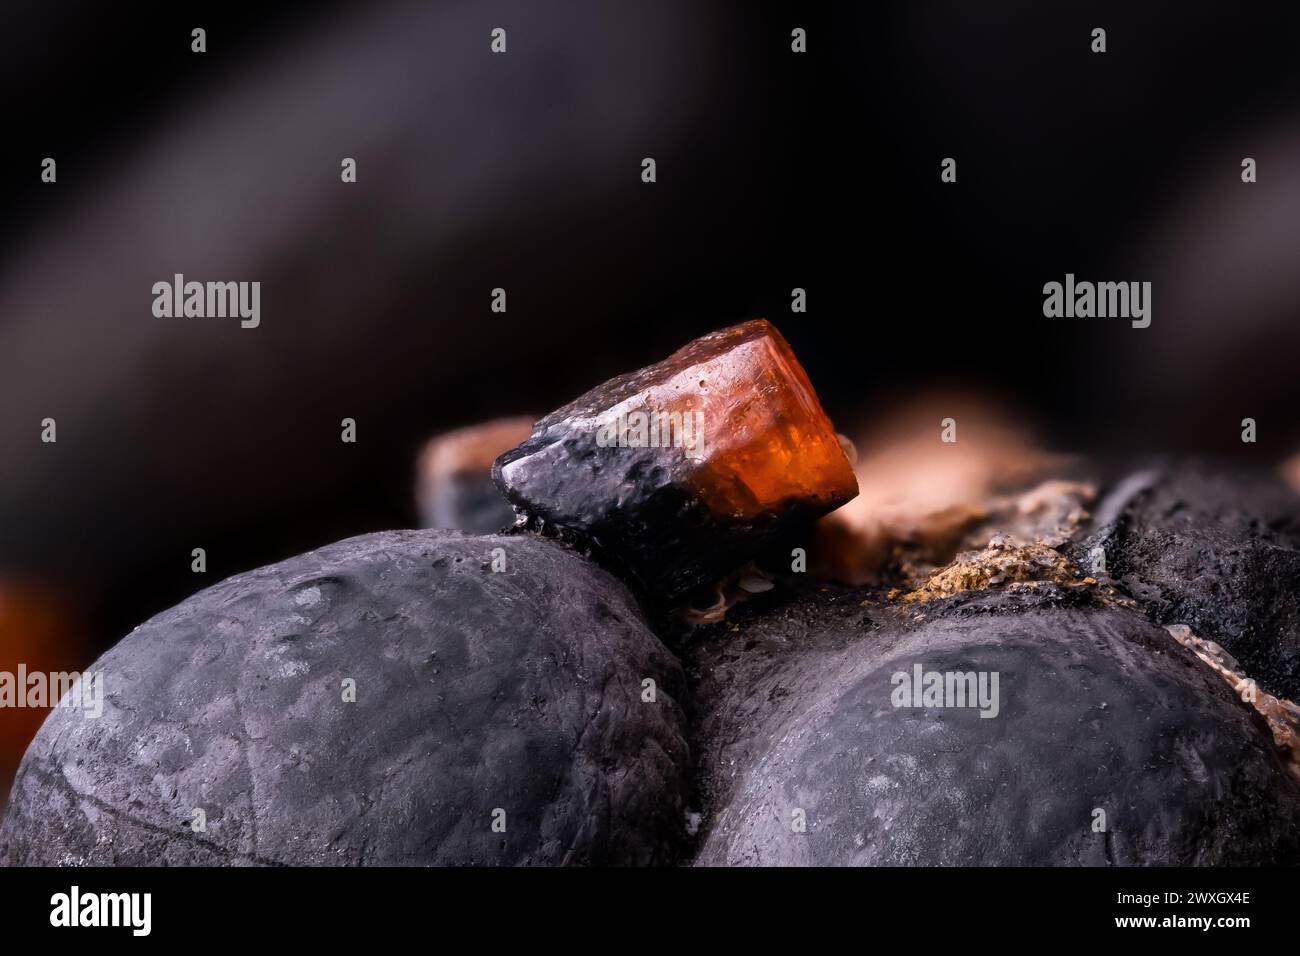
x,y
1098,710
483,697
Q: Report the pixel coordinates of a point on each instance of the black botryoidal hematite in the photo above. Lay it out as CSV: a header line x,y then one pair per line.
x,y
476,690
1216,550
1099,710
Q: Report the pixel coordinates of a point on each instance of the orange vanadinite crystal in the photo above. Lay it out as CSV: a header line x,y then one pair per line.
x,y
770,442
687,468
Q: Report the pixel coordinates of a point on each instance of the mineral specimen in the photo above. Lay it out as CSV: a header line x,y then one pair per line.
x,y
397,698
1215,550
682,471
922,500
1001,563
455,488
1059,732
1282,716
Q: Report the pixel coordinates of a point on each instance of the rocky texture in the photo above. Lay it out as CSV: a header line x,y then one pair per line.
x,y
1000,563
1282,716
683,471
475,690
752,674
1218,552
922,500
1098,708
910,539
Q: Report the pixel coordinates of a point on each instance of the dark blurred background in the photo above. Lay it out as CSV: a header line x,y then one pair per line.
x,y
522,170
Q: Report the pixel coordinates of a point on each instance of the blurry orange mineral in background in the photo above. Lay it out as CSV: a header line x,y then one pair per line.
x,y
1290,470
37,628
915,489
454,486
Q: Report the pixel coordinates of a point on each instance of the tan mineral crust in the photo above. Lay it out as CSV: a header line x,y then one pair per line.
x,y
1282,716
1001,563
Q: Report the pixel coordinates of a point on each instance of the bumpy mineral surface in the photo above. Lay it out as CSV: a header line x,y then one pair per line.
x,y
684,470
1282,716
823,738
1217,551
397,698
1000,563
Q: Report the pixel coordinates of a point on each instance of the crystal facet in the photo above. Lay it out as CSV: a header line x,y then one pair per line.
x,y
685,469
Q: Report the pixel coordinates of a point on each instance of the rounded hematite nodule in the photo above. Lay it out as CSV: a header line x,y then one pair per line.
x,y
1098,710
476,691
